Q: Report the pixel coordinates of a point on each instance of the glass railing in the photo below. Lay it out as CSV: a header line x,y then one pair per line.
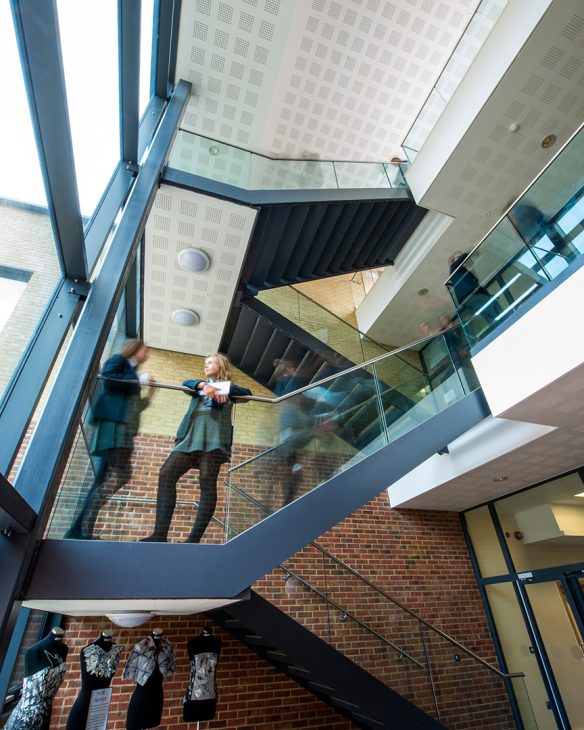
x,y
244,169
119,485
322,324
308,436
458,64
533,244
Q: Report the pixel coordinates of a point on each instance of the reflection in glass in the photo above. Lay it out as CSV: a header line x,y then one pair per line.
x,y
94,116
534,243
485,542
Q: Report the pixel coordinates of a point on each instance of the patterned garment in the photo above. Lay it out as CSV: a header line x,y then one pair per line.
x,y
38,691
144,657
202,682
102,663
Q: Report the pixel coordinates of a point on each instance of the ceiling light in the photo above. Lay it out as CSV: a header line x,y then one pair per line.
x,y
193,260
548,141
500,479
423,292
513,127
128,620
185,317
214,150
579,495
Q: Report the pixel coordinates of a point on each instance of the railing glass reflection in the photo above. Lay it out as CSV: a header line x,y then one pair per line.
x,y
534,243
251,171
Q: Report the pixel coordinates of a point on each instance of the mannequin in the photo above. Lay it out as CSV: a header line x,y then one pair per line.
x,y
149,663
44,670
99,662
200,700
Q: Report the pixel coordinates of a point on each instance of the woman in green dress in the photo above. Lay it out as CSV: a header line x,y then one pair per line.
x,y
203,442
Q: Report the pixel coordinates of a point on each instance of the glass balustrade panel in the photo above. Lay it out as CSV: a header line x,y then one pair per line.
x,y
113,493
494,280
211,159
269,174
361,175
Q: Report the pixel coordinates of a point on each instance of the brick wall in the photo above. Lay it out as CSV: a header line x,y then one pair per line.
x,y
252,693
26,242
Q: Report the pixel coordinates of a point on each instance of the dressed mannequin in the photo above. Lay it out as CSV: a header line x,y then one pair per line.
x,y
44,670
99,662
200,700
149,663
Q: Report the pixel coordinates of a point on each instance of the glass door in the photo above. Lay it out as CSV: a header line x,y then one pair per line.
x,y
558,606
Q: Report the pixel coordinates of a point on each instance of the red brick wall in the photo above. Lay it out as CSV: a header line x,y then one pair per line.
x,y
420,558
252,693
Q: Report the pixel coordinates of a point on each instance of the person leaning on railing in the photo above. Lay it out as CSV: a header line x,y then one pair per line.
x,y
116,419
203,442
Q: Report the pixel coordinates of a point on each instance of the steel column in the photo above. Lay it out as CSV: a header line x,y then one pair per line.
x,y
37,33
129,48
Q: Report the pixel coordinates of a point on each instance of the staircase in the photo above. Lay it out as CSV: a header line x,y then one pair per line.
x,y
318,667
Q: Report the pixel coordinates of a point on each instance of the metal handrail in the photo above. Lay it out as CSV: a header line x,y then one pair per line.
x,y
286,396
345,566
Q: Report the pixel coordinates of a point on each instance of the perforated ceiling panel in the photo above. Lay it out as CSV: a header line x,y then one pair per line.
x,y
343,79
183,219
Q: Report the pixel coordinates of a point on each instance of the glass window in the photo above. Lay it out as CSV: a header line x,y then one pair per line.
x,y
544,526
89,40
485,543
29,266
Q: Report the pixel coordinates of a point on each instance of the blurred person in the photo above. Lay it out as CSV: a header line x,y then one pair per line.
x,y
468,293
203,442
116,417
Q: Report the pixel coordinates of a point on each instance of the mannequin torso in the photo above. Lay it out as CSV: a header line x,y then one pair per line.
x,y
44,670
200,700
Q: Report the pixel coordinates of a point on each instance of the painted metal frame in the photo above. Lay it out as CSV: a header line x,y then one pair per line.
x,y
37,33
38,477
129,54
518,583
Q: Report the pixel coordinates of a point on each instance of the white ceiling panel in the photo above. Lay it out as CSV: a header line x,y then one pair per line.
x,y
182,219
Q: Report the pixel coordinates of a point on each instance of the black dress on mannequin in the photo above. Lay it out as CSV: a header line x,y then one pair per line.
x,y
200,700
44,670
99,662
150,661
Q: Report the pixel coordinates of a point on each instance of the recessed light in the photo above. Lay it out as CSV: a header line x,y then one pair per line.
x,y
548,141
513,127
185,317
193,260
214,150
423,292
500,479
579,495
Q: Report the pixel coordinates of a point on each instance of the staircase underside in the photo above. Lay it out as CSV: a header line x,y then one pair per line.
x,y
72,570
318,667
302,235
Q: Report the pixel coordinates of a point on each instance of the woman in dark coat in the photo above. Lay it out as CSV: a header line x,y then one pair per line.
x,y
116,417
203,442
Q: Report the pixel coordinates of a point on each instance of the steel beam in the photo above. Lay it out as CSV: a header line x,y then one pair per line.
x,y
38,478
37,34
32,372
163,25
129,19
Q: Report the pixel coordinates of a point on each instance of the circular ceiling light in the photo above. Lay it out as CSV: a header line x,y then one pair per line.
x,y
548,141
423,292
128,620
214,150
194,260
185,317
